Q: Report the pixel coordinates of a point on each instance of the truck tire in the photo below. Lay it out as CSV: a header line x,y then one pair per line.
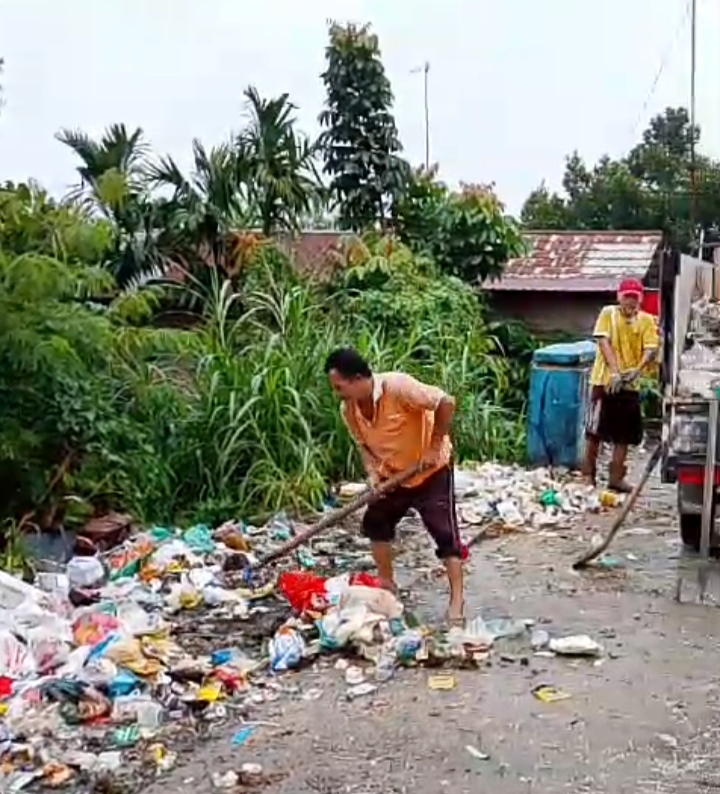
x,y
690,526
690,531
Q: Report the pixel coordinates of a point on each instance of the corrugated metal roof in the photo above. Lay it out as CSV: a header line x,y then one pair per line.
x,y
579,261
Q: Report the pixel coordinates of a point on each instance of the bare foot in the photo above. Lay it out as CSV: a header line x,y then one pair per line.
x,y
455,615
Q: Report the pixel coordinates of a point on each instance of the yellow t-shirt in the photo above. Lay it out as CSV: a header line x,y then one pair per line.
x,y
629,339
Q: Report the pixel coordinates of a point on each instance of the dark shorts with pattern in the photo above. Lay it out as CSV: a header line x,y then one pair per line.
x,y
615,418
434,500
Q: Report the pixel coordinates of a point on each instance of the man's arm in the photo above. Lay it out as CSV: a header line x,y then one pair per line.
x,y
609,355
603,334
444,415
428,398
650,343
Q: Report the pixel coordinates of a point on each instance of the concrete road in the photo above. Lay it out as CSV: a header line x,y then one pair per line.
x,y
643,719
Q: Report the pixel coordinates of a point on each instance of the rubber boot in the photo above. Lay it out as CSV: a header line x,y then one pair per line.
x,y
616,480
589,465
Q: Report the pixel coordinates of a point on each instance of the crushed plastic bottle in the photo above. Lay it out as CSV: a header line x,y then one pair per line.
x,y
385,667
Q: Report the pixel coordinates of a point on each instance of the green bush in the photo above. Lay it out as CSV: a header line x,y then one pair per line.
x,y
233,417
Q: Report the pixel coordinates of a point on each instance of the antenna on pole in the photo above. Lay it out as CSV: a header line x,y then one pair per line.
x,y
425,69
693,71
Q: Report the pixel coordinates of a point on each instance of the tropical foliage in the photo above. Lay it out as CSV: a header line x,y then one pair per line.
x,y
657,185
224,411
360,143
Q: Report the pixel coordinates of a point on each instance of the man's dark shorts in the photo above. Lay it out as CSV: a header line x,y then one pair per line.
x,y
434,499
615,418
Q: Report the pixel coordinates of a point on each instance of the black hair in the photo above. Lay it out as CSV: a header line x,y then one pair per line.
x,y
348,363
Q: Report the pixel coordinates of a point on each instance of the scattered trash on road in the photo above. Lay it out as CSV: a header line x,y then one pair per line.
x,y
550,694
105,666
442,682
577,645
475,753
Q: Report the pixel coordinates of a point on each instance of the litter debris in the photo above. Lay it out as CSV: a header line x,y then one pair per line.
x,y
475,753
442,682
361,690
550,694
540,639
521,499
106,664
243,735
354,676
577,645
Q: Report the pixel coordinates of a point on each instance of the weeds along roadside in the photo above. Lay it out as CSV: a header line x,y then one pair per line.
x,y
233,417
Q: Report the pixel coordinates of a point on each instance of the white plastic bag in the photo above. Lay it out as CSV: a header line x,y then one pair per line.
x,y
16,661
84,572
380,602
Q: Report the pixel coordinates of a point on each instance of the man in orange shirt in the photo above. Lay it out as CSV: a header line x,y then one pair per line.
x,y
397,423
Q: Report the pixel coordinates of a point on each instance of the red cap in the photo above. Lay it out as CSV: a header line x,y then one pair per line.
x,y
631,286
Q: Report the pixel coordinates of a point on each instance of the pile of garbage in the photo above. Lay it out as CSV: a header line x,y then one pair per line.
x,y
114,657
519,498
99,662
700,363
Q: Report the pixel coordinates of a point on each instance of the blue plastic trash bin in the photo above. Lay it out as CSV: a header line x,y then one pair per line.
x,y
559,391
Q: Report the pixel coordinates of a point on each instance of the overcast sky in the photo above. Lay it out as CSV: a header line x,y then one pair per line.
x,y
515,85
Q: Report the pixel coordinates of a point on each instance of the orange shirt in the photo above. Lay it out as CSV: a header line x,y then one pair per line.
x,y
399,433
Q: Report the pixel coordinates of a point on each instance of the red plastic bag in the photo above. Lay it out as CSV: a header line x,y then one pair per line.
x,y
365,579
305,591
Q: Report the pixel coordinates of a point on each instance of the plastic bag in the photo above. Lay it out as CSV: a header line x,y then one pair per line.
x,y
578,645
85,572
125,561
355,624
93,627
199,538
381,602
286,649
128,653
305,591
14,591
16,661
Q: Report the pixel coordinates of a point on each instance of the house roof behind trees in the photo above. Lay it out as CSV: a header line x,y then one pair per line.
x,y
580,261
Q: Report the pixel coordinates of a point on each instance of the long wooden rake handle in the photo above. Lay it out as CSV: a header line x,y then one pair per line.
x,y
331,519
624,511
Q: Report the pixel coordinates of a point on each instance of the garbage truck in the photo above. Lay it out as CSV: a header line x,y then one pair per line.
x,y
690,379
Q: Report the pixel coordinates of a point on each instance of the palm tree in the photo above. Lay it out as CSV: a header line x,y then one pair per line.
x,y
113,182
283,180
206,206
112,169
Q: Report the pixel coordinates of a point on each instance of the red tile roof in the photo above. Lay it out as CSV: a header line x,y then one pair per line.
x,y
315,253
579,261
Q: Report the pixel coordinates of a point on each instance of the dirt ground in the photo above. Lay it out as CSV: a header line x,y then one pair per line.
x,y
645,718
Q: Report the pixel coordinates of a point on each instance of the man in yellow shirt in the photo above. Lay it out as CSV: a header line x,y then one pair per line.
x,y
627,344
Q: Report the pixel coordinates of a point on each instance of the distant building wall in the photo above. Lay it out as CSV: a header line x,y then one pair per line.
x,y
550,311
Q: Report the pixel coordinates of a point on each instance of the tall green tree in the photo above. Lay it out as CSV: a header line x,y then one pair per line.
x,y
360,143
652,187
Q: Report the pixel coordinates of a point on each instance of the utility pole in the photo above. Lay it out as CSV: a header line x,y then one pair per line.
x,y
693,69
425,69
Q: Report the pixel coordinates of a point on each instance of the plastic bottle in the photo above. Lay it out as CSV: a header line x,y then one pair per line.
x,y
384,667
